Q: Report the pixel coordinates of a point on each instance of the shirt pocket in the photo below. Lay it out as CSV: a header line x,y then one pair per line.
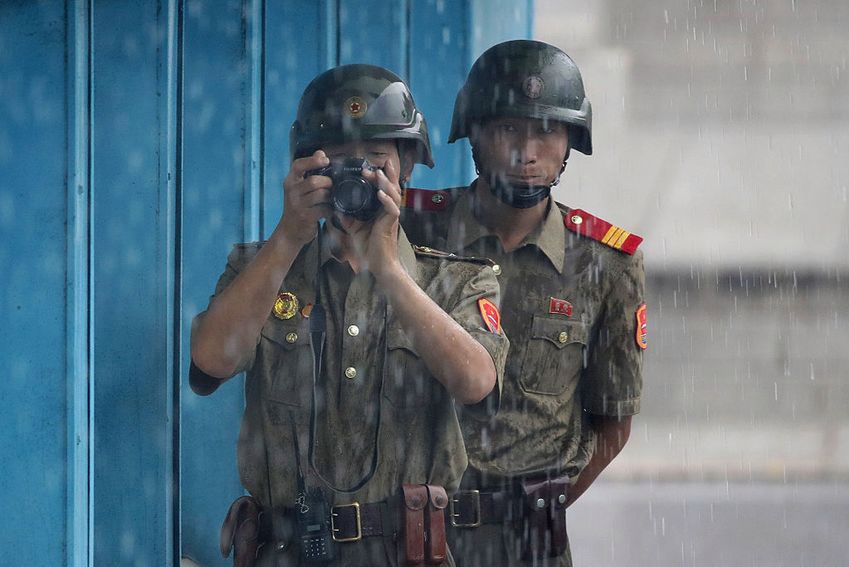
x,y
407,382
554,355
285,362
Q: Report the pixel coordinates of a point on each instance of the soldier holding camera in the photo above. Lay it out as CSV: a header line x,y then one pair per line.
x,y
355,344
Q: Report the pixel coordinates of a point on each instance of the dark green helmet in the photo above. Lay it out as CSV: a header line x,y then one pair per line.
x,y
528,79
357,102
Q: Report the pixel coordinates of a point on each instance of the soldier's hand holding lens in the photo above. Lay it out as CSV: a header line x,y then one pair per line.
x,y
377,244
305,198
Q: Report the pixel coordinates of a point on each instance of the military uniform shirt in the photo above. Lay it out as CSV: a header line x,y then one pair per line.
x,y
560,366
368,361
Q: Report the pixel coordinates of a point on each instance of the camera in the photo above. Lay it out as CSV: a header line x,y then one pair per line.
x,y
351,194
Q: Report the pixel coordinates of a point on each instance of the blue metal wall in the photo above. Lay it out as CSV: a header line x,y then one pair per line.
x,y
138,140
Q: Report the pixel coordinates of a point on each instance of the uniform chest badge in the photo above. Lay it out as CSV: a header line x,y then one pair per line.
x,y
285,306
642,335
490,314
559,307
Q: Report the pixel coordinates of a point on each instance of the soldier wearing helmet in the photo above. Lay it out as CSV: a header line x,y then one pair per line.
x,y
355,345
572,287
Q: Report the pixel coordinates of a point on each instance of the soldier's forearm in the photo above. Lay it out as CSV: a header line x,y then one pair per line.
x,y
611,435
230,326
450,353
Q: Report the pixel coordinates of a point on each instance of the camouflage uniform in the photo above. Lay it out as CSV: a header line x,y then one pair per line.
x,y
369,361
561,367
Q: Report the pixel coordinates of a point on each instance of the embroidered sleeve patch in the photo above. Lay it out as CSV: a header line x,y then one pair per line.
x,y
642,334
490,314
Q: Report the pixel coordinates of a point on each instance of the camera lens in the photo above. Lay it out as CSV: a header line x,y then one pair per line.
x,y
356,197
351,194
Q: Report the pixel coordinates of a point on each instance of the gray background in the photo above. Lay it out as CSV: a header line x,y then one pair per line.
x,y
720,130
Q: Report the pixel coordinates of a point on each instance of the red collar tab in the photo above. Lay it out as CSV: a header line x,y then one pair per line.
x,y
425,199
585,224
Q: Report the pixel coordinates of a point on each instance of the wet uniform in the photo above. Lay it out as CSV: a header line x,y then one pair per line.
x,y
570,305
368,363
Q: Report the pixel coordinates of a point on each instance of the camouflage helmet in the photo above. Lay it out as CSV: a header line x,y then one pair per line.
x,y
527,79
357,102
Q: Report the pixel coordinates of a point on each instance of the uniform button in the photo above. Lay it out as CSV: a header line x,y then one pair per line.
x,y
291,338
577,219
563,337
497,269
350,373
437,199
353,330
562,499
540,503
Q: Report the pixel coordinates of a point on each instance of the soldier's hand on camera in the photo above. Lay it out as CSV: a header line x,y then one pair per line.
x,y
376,243
305,199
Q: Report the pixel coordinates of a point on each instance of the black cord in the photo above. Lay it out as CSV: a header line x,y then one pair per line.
x,y
318,334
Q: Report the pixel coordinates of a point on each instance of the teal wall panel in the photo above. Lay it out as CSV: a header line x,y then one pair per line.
x,y
292,57
494,21
33,244
216,114
374,32
438,68
138,141
132,282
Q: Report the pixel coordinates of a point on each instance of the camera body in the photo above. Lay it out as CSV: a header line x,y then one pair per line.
x,y
351,194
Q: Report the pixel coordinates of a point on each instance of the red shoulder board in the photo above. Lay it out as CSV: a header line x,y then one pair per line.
x,y
425,199
583,223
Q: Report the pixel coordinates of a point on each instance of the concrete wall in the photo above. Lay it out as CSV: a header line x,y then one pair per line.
x,y
720,128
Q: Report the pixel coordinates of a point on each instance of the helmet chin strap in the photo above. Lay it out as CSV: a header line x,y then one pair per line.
x,y
518,196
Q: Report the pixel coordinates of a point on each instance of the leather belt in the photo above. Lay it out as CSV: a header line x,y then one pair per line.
x,y
472,508
352,522
349,522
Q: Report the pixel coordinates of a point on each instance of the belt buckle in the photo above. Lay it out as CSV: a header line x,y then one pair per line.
x,y
334,529
476,498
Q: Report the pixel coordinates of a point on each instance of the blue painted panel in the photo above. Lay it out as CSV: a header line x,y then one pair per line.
x,y
216,110
438,67
374,32
78,315
132,358
159,230
300,40
494,21
32,298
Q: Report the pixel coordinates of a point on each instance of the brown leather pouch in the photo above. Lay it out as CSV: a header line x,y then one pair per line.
x,y
559,494
415,500
241,531
536,497
435,546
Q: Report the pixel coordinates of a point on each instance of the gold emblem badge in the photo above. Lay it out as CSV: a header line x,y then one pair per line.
x,y
356,107
533,86
286,305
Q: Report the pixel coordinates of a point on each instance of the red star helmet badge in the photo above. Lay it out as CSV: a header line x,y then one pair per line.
x,y
356,107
